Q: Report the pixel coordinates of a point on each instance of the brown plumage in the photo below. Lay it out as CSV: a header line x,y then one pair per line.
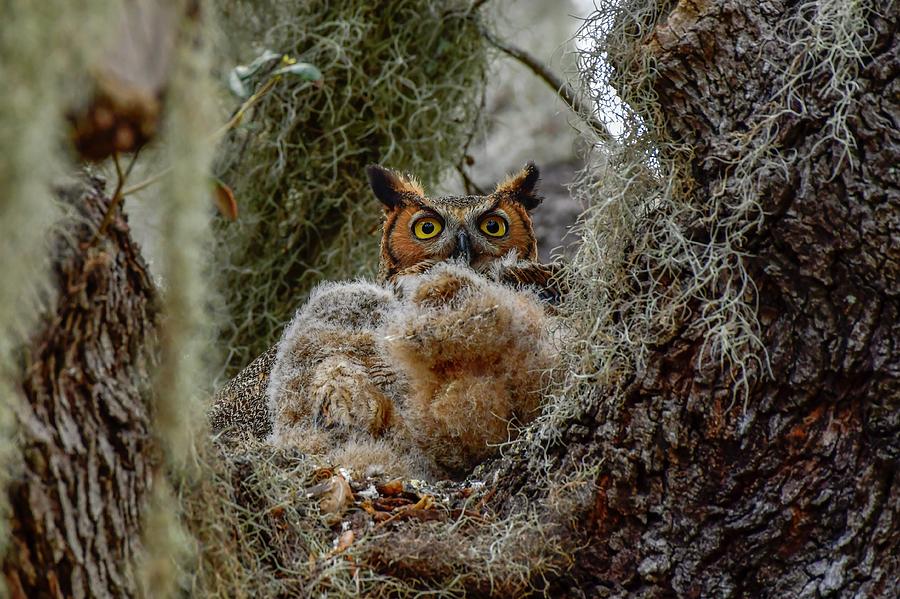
x,y
478,231
240,406
475,355
424,372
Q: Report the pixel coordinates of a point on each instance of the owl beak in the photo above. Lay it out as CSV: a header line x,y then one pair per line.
x,y
463,247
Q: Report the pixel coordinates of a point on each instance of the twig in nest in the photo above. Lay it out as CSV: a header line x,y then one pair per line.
x,y
487,497
420,511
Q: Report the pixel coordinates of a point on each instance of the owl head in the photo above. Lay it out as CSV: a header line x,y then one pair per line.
x,y
420,231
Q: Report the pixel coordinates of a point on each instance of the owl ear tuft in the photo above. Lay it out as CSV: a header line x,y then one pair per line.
x,y
391,187
521,186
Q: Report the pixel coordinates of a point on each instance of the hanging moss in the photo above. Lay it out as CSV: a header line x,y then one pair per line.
x,y
184,373
401,81
639,274
39,48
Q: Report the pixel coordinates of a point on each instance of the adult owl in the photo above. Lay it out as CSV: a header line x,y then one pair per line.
x,y
425,371
491,234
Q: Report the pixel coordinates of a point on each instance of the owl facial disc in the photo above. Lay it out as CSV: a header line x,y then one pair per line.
x,y
420,231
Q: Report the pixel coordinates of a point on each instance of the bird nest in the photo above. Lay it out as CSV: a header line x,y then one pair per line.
x,y
276,522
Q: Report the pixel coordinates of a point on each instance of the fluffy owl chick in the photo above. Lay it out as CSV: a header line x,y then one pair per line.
x,y
328,371
332,391
475,354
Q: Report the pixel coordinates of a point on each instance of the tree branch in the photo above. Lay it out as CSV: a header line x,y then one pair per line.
x,y
477,4
562,88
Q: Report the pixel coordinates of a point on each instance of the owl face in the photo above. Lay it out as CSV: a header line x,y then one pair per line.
x,y
420,231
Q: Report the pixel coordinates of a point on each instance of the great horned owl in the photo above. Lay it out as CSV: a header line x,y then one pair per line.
x,y
426,371
491,234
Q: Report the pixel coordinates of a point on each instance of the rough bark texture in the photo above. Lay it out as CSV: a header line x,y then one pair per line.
x,y
84,420
798,496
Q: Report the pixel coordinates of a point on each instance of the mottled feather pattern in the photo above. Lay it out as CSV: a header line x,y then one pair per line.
x,y
475,354
240,406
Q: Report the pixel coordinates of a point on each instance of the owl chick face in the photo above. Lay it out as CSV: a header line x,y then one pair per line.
x,y
420,232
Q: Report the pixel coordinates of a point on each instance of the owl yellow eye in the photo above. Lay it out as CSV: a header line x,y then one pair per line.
x,y
493,226
426,228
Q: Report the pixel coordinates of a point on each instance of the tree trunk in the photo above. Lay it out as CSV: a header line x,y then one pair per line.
x,y
84,422
795,493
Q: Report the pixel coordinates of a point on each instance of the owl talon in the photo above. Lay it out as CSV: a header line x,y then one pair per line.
x,y
344,397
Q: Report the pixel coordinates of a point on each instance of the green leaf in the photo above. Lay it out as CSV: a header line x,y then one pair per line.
x,y
262,60
240,75
236,85
304,70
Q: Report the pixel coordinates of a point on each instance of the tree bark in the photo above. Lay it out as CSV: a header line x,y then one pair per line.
x,y
797,495
84,419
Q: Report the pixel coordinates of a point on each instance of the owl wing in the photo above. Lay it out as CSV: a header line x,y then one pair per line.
x,y
328,373
241,406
